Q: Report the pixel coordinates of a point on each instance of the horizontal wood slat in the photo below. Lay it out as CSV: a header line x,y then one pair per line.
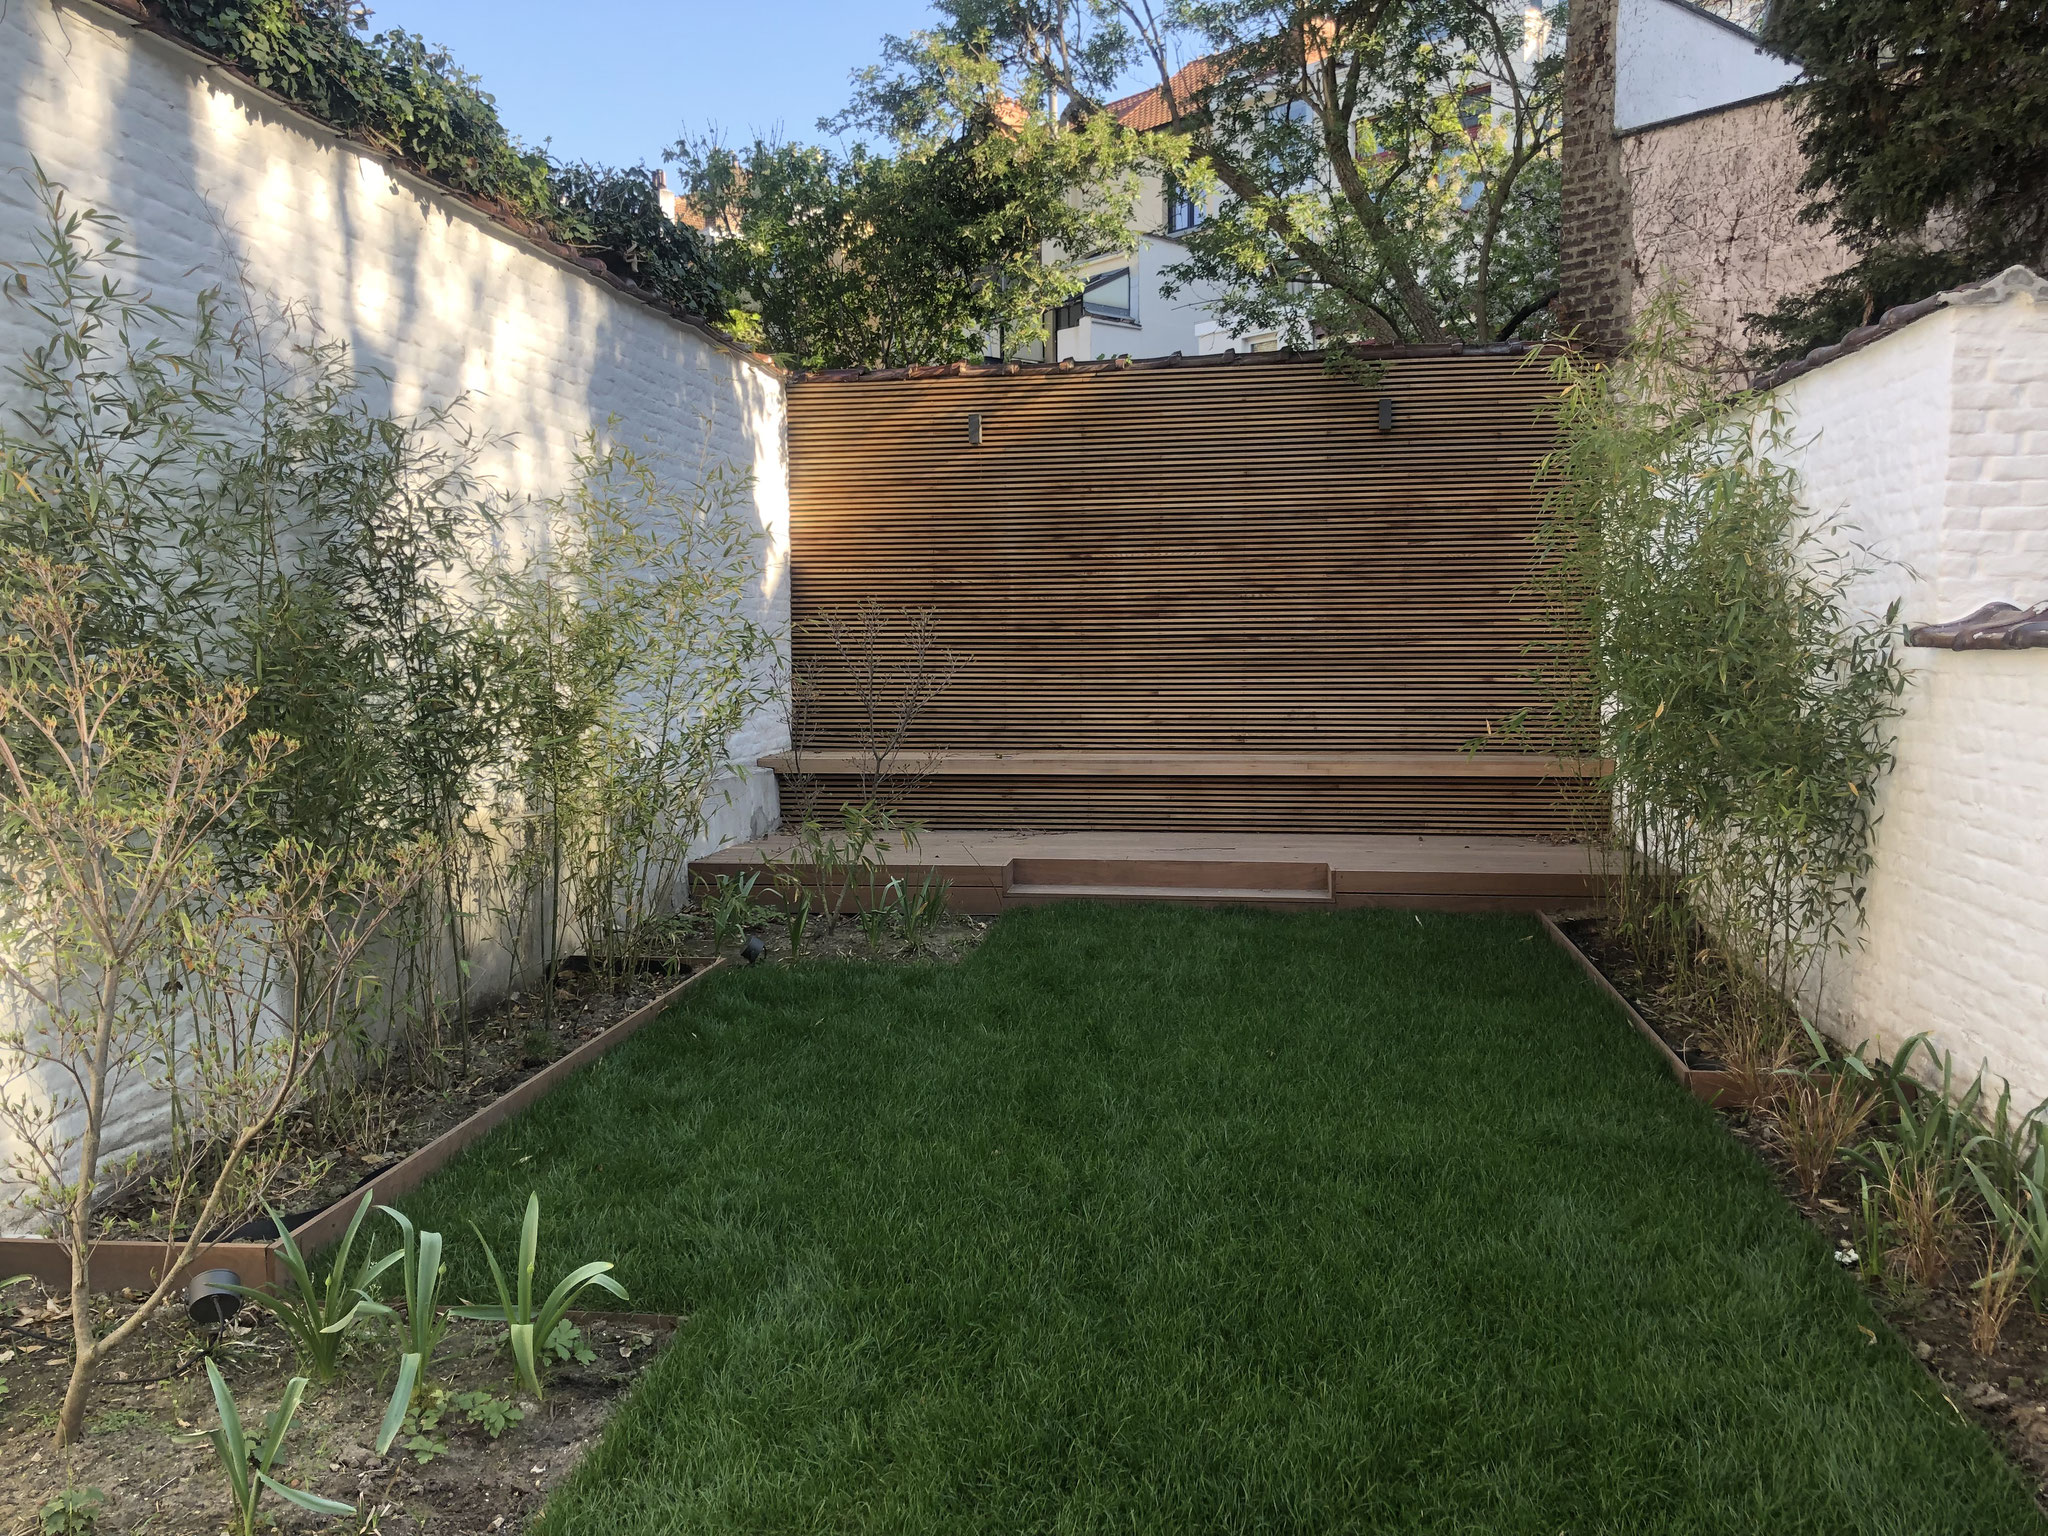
x,y
1495,807
1203,596
1272,765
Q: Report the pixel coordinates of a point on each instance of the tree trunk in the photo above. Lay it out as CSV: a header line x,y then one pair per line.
x,y
71,1417
85,1360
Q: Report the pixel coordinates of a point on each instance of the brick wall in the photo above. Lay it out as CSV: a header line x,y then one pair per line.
x,y
1595,288
1930,448
1708,201
213,181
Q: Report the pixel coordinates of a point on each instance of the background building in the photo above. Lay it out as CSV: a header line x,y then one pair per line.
x,y
1681,167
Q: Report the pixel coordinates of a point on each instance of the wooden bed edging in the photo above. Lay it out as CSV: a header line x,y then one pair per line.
x,y
1717,1088
135,1262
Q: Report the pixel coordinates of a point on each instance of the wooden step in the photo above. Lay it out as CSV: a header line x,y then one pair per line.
x,y
1206,882
1191,895
1212,765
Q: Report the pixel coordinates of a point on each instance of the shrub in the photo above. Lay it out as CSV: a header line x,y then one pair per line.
x,y
261,682
126,952
1700,634
1821,1107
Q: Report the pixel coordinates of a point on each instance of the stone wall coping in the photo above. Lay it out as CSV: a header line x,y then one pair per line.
x,y
2014,282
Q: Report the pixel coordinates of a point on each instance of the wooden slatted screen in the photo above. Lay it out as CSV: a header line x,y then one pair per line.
x,y
1207,566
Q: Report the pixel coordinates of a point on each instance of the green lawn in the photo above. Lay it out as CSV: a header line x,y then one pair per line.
x,y
1164,1220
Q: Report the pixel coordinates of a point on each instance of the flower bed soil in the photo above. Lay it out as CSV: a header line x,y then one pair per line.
x,y
1617,962
2007,1394
951,940
155,1391
509,1044
588,1032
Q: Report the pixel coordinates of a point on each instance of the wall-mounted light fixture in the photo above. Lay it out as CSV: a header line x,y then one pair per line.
x,y
1386,413
974,429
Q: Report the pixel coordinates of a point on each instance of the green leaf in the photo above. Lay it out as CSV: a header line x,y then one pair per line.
x,y
401,1399
306,1501
592,1273
523,1356
529,1250
233,1448
365,1307
280,1422
497,1277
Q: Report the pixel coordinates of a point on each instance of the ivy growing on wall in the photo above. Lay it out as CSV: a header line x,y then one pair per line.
x,y
394,91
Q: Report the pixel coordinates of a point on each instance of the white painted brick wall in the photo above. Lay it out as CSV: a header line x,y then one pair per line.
x,y
1934,442
428,292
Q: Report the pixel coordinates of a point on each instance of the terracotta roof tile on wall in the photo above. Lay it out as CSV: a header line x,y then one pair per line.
x,y
1991,290
1994,627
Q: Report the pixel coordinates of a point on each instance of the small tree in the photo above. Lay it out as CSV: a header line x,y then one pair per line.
x,y
126,955
917,250
873,674
630,662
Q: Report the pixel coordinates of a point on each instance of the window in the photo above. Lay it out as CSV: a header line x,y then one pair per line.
x,y
1109,295
1182,212
1475,110
1296,143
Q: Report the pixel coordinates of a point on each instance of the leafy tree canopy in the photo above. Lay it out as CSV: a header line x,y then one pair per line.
x,y
1388,166
1925,125
913,249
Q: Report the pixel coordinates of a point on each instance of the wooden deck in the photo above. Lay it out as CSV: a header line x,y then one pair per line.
x,y
994,871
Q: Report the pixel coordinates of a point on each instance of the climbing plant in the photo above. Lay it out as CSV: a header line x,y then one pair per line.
x,y
395,91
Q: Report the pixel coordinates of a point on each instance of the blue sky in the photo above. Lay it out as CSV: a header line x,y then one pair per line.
x,y
620,80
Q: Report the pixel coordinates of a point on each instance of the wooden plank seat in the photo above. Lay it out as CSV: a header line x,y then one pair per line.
x,y
991,871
